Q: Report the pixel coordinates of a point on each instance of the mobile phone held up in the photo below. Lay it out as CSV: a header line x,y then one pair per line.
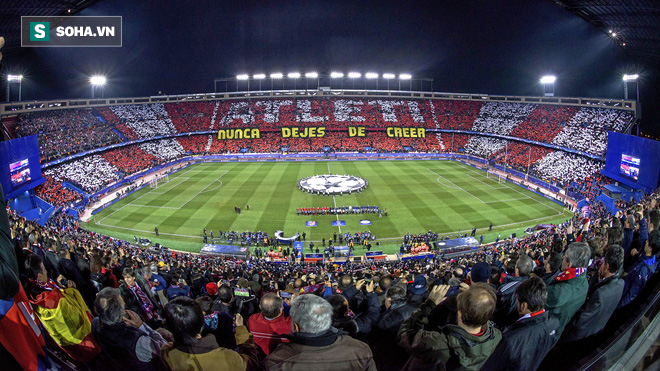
x,y
241,292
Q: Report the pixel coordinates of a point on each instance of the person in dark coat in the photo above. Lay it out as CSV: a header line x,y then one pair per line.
x,y
594,314
639,274
506,311
398,309
525,343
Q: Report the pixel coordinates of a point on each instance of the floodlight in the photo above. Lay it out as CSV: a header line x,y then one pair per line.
x,y
276,75
371,75
11,78
98,80
630,77
242,77
354,75
259,76
311,75
610,31
336,75
613,34
405,76
548,79
388,76
293,75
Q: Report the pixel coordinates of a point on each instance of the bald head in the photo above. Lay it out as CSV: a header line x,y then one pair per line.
x,y
271,305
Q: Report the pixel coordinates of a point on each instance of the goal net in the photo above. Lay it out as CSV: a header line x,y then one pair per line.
x,y
155,182
500,178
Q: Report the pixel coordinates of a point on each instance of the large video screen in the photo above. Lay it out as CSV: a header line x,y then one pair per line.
x,y
19,172
633,161
629,167
20,169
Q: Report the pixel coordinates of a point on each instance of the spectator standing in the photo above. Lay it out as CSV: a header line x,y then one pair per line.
x,y
526,342
315,345
568,291
597,310
269,324
191,351
129,342
468,344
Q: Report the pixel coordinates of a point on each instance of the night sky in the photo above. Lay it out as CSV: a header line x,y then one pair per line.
x,y
491,47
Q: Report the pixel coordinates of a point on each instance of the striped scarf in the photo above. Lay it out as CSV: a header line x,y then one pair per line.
x,y
570,273
146,303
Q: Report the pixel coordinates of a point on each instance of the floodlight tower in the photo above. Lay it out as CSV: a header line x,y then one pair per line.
x,y
338,75
97,80
548,81
630,78
275,76
259,76
16,79
388,77
353,76
405,76
295,76
311,75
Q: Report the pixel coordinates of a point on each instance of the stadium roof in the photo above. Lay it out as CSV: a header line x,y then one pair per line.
x,y
633,24
11,12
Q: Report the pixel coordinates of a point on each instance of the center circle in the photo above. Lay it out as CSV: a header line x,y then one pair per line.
x,y
332,184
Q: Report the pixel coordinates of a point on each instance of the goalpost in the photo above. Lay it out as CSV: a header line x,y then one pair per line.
x,y
163,179
500,178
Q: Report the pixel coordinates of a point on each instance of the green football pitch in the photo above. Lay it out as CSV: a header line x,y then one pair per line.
x,y
446,197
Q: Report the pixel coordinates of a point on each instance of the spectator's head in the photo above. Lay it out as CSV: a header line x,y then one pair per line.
x,y
613,261
271,305
184,319
553,262
64,253
597,244
394,295
109,306
577,256
339,306
129,276
146,272
205,303
310,314
476,305
418,286
345,282
524,265
225,294
614,236
531,295
95,263
242,283
212,288
480,272
385,283
34,265
654,218
458,273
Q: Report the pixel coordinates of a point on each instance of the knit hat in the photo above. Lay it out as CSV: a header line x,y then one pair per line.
x,y
418,286
212,288
480,272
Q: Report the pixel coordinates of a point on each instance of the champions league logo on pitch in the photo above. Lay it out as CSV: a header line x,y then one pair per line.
x,y
330,184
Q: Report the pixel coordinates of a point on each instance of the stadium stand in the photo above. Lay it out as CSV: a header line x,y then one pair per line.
x,y
56,194
409,290
65,132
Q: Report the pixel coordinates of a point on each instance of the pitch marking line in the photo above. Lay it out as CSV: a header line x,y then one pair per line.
x,y
380,239
172,187
456,186
512,187
335,201
486,184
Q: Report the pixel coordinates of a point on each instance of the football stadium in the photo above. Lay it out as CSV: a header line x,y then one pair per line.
x,y
297,187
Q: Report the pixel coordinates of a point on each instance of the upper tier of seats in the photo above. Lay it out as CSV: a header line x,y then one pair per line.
x,y
65,132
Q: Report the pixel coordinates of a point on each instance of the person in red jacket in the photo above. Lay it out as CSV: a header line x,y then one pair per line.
x,y
267,326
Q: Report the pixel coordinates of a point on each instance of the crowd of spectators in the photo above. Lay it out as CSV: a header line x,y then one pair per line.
x,y
544,123
587,130
505,306
190,117
129,159
65,132
501,118
146,120
455,114
165,149
90,173
56,194
561,166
